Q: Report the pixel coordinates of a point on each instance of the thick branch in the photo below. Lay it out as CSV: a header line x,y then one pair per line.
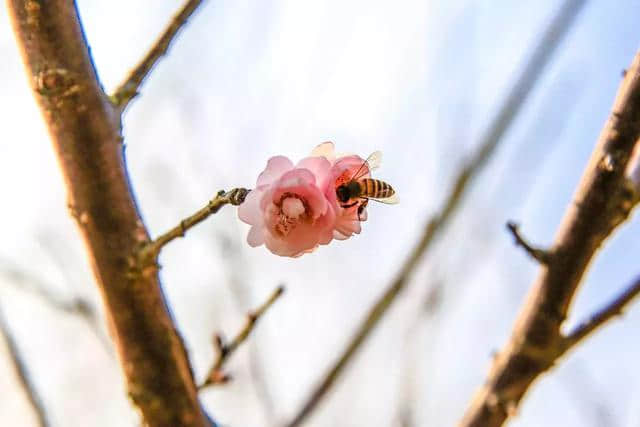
x,y
129,88
487,146
608,312
85,130
602,201
226,349
23,373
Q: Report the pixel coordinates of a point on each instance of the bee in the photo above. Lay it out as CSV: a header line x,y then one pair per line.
x,y
358,190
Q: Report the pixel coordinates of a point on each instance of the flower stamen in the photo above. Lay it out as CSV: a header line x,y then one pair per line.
x,y
291,211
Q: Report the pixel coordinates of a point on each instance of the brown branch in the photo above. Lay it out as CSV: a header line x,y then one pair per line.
x,y
226,349
601,203
538,254
23,373
234,197
608,312
487,146
129,88
85,130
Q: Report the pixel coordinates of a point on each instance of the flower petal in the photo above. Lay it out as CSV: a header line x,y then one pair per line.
x,y
250,211
326,149
364,215
319,167
255,236
276,167
339,236
345,169
296,177
301,182
348,227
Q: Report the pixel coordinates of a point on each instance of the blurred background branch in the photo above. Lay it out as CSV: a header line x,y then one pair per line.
x,y
236,269
22,372
547,45
78,306
226,348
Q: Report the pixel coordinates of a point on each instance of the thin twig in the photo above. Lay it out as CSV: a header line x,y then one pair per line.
x,y
538,254
226,349
602,316
487,146
23,373
234,197
131,85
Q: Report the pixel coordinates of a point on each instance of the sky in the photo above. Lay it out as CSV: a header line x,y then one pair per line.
x,y
419,80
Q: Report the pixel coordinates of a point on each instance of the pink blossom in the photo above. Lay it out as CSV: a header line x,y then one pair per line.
x,y
288,210
294,209
343,168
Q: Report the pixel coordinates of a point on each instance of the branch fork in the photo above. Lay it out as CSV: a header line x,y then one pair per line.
x,y
226,348
541,255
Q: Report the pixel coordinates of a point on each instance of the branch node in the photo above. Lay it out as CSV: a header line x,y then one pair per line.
x,y
540,255
226,349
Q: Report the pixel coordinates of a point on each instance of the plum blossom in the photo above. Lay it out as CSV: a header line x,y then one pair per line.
x,y
288,210
294,208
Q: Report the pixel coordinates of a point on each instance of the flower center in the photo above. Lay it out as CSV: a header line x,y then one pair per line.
x,y
292,210
292,207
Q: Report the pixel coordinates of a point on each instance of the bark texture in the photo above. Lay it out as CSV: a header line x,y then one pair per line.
x,y
85,130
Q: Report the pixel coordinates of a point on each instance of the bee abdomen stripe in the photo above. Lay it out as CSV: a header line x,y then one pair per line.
x,y
368,187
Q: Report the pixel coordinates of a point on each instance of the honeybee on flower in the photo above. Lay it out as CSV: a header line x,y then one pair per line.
x,y
358,190
296,208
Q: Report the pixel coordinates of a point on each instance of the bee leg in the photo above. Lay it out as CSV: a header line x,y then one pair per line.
x,y
362,207
349,205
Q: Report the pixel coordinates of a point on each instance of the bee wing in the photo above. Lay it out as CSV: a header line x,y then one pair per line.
x,y
391,200
372,162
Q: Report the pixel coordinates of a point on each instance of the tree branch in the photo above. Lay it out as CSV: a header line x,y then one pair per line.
x,y
23,373
487,146
604,199
225,350
85,130
614,308
538,254
129,88
234,197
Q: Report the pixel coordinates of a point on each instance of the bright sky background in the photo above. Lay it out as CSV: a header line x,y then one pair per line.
x,y
419,80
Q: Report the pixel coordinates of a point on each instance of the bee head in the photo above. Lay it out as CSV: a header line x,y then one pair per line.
x,y
342,193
